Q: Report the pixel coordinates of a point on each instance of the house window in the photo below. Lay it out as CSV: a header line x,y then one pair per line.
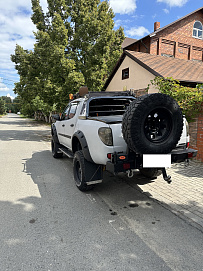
x,y
197,30
125,74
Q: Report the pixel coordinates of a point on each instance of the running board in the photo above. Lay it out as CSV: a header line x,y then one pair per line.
x,y
94,182
66,151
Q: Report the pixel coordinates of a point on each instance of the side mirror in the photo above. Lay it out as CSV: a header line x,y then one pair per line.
x,y
56,117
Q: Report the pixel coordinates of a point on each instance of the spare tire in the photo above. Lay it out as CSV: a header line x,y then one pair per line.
x,y
152,123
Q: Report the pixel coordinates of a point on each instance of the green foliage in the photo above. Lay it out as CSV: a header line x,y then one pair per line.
x,y
189,99
75,45
13,106
2,106
94,46
8,103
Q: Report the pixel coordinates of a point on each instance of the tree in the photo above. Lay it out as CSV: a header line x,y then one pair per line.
x,y
94,45
2,106
75,45
16,104
8,103
189,99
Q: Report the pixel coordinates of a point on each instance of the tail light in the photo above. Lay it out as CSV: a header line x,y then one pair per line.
x,y
187,127
188,145
126,166
109,155
105,135
190,154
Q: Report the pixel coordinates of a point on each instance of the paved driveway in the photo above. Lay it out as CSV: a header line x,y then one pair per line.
x,y
46,223
184,196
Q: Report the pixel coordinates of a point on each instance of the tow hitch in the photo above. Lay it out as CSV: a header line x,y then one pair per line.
x,y
166,177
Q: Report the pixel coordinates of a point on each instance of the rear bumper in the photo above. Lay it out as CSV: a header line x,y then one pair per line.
x,y
117,165
178,156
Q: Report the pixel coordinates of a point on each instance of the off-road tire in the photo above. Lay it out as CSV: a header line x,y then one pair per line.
x,y
150,172
152,123
55,149
79,167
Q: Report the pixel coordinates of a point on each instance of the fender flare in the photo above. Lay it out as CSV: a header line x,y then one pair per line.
x,y
54,134
83,142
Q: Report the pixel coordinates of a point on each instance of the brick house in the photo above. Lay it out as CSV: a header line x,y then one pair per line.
x,y
175,50
181,39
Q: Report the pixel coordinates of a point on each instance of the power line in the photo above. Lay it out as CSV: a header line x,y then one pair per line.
x,y
7,79
6,84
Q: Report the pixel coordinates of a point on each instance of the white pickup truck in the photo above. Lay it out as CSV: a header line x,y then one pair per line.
x,y
117,132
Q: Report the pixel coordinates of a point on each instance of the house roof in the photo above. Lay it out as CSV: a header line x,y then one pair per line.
x,y
162,28
127,41
180,69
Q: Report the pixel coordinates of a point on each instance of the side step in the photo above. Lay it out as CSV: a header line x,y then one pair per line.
x,y
94,182
66,151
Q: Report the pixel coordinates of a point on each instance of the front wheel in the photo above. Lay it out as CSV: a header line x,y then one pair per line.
x,y
55,149
150,172
79,167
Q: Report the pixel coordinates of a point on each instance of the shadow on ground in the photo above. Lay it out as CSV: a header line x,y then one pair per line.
x,y
65,229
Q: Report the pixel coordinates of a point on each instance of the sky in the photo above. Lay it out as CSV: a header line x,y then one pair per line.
x,y
137,17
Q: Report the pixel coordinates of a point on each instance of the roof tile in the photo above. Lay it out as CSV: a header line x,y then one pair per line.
x,y
179,69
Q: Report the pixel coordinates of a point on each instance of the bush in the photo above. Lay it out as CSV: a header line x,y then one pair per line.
x,y
189,99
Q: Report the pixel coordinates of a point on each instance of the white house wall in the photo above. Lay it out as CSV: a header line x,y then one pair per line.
x,y
139,78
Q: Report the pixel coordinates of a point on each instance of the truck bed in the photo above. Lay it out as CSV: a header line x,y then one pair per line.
x,y
108,119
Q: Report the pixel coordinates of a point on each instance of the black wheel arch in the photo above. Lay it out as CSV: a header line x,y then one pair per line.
x,y
54,133
79,142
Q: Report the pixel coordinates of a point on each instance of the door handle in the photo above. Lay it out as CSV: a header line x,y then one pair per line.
x,y
63,125
71,125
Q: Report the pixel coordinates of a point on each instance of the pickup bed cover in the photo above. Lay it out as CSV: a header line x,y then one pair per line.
x,y
108,119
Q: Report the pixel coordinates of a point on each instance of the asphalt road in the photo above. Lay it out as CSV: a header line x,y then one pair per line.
x,y
47,224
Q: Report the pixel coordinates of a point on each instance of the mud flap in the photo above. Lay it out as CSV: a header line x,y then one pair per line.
x,y
93,173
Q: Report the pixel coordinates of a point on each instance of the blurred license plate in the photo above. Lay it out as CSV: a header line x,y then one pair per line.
x,y
156,160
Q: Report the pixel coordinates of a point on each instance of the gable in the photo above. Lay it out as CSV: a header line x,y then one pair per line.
x,y
139,77
178,40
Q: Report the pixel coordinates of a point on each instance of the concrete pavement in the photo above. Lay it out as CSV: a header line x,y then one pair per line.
x,y
184,196
48,224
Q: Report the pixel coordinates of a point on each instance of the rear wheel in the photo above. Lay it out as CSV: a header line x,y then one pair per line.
x,y
79,167
150,172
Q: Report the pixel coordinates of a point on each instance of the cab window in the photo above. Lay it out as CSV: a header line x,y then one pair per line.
x,y
70,111
65,113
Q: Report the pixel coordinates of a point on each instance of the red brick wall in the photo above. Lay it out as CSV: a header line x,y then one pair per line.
x,y
196,136
140,92
200,138
177,40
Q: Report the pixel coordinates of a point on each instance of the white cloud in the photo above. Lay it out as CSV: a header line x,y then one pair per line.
x,y
9,95
43,4
16,27
123,23
166,10
140,31
123,6
117,23
15,6
174,3
11,6
3,88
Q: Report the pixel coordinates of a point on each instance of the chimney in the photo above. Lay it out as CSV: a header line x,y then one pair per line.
x,y
156,26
